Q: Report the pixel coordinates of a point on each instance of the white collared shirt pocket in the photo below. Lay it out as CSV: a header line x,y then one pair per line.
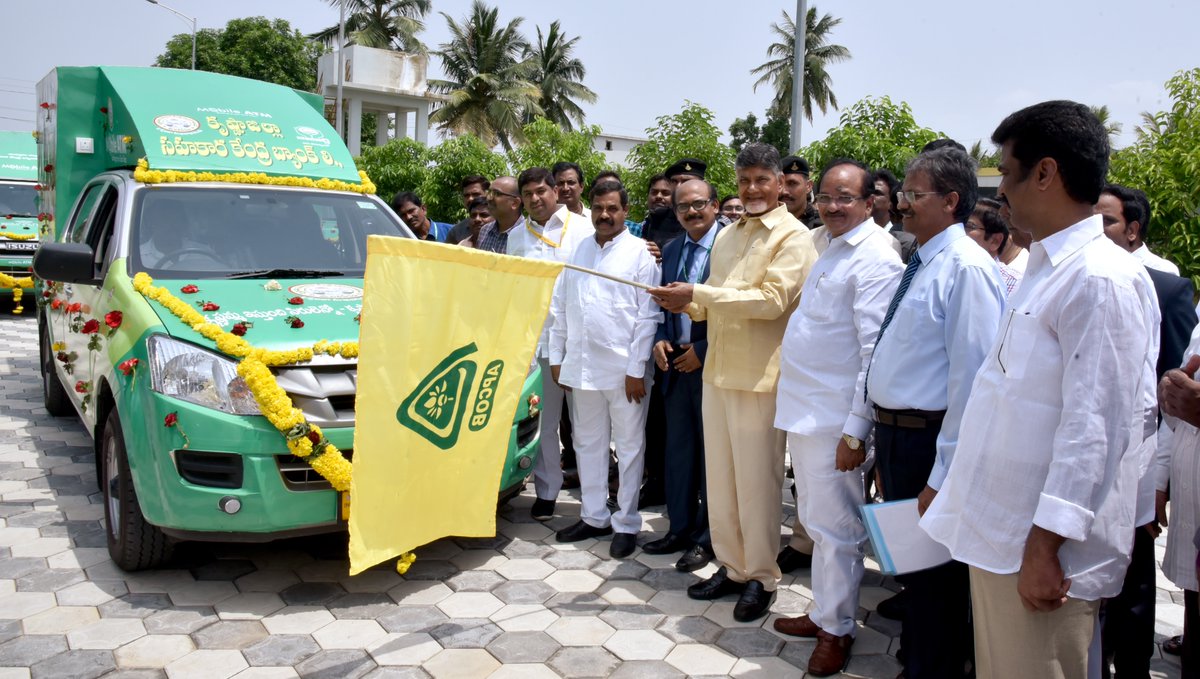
x,y
827,299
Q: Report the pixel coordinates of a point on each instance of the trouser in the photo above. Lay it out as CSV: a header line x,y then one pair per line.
x,y
829,500
547,473
604,417
1013,642
656,438
687,496
1190,658
1127,620
743,460
936,633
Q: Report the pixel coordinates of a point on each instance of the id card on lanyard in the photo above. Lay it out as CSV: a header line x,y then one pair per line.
x,y
696,264
547,241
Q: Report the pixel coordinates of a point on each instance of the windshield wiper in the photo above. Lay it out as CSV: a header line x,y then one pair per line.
x,y
16,214
287,273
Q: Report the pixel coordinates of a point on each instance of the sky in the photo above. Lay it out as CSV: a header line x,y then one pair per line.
x,y
961,65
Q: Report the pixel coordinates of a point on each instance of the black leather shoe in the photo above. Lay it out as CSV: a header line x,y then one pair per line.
x,y
542,510
581,531
790,559
754,602
893,607
715,587
665,545
694,559
622,545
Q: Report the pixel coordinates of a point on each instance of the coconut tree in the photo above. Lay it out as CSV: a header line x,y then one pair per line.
x,y
384,24
1111,126
559,76
818,54
488,78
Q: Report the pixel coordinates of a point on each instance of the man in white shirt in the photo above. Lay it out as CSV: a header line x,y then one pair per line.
x,y
599,348
551,232
820,402
1130,234
934,336
568,180
1040,500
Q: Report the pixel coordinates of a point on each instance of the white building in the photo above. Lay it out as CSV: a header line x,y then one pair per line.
x,y
616,147
384,82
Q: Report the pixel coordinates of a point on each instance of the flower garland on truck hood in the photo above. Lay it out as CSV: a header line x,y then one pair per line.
x,y
18,286
304,440
144,174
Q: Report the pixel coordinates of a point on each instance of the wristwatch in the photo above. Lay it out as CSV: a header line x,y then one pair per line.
x,y
852,442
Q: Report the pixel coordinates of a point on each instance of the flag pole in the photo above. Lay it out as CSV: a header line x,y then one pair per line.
x,y
593,272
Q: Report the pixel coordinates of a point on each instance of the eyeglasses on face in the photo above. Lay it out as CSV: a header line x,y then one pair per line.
x,y
734,208
913,196
697,205
844,201
492,193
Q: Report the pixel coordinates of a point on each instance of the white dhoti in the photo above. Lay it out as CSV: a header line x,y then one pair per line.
x,y
600,419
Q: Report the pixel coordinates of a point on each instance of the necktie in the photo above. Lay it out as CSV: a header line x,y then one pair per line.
x,y
689,258
910,272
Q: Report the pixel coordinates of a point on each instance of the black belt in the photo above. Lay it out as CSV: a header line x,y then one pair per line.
x,y
909,419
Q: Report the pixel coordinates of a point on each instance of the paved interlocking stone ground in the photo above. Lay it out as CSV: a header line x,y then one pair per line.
x,y
517,605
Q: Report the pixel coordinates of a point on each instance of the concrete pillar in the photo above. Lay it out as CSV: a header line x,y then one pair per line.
x,y
381,128
422,131
354,126
401,123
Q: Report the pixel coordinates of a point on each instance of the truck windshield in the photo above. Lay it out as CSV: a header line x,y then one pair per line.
x,y
207,232
17,200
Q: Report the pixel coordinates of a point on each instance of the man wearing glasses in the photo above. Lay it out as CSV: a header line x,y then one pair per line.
x,y
934,337
505,205
758,266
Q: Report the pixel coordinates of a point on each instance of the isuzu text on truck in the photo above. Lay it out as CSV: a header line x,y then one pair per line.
x,y
197,219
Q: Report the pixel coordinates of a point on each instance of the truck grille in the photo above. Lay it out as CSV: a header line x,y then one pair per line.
x,y
325,393
527,430
298,475
215,470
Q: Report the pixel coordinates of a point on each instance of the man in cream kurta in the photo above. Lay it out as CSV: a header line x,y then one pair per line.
x,y
758,267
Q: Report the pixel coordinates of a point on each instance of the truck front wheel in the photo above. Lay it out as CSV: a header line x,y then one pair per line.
x,y
54,396
133,543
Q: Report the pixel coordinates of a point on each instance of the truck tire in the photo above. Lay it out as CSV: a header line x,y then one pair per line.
x,y
54,396
133,543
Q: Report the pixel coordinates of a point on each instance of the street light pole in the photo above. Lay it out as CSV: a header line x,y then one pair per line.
x,y
185,17
798,70
341,69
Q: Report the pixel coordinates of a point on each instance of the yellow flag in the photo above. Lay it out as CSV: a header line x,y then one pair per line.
x,y
446,340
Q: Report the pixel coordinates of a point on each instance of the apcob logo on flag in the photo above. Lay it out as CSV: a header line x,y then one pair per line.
x,y
436,408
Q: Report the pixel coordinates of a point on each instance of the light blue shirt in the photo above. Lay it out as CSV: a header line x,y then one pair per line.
x,y
699,261
929,355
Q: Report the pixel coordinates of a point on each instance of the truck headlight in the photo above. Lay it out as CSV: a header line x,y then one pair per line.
x,y
187,372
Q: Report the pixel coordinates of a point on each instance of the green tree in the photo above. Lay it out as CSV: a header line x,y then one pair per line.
x,y
254,47
546,144
449,162
690,133
819,53
559,76
488,79
399,165
1111,126
1165,163
983,157
777,132
744,131
877,132
383,24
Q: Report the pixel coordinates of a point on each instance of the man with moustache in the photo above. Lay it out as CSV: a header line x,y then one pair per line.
x,y
551,232
820,403
504,202
758,266
796,189
599,346
885,184
568,179
1040,499
934,337
679,350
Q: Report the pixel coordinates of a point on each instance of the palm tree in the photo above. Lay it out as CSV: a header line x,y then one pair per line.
x,y
818,54
559,76
984,158
1111,126
487,77
384,24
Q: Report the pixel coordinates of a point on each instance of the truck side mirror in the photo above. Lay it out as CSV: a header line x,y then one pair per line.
x,y
66,262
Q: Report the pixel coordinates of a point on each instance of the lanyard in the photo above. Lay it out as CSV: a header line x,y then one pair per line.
x,y
687,275
566,223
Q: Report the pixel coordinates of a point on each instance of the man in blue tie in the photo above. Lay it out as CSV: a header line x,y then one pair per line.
x,y
933,338
679,350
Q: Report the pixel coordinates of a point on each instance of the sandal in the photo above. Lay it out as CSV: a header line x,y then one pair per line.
x,y
1174,645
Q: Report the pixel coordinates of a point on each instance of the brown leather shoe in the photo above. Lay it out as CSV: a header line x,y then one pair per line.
x,y
802,626
831,654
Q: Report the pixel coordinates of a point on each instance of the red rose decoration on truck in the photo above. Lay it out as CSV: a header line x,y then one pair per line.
x,y
81,387
74,307
113,319
189,289
91,327
294,321
171,420
127,367
209,306
296,300
238,329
